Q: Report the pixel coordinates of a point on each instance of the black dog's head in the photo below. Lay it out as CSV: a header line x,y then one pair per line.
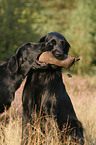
x,y
58,43
59,46
27,55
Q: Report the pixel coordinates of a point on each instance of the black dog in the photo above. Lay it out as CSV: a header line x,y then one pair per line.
x,y
16,68
48,82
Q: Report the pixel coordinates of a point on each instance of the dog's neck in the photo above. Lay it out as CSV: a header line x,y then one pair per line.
x,y
24,69
19,76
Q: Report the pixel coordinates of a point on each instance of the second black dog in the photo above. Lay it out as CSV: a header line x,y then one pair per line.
x,y
13,71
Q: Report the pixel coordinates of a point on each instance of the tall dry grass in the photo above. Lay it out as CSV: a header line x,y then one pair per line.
x,y
82,91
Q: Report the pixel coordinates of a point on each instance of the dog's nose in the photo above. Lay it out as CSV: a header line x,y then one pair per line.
x,y
58,54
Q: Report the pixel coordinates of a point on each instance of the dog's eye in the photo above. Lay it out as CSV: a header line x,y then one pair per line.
x,y
28,43
53,42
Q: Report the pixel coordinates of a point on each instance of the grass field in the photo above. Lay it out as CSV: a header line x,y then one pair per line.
x,y
82,91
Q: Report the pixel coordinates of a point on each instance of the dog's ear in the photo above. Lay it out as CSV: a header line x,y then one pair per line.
x,y
13,64
42,39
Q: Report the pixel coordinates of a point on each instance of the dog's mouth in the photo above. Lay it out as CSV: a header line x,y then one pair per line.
x,y
41,64
47,58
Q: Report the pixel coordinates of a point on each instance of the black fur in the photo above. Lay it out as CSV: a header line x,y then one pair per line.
x,y
14,70
48,83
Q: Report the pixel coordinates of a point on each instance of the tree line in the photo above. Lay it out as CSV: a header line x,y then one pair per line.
x,y
24,21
